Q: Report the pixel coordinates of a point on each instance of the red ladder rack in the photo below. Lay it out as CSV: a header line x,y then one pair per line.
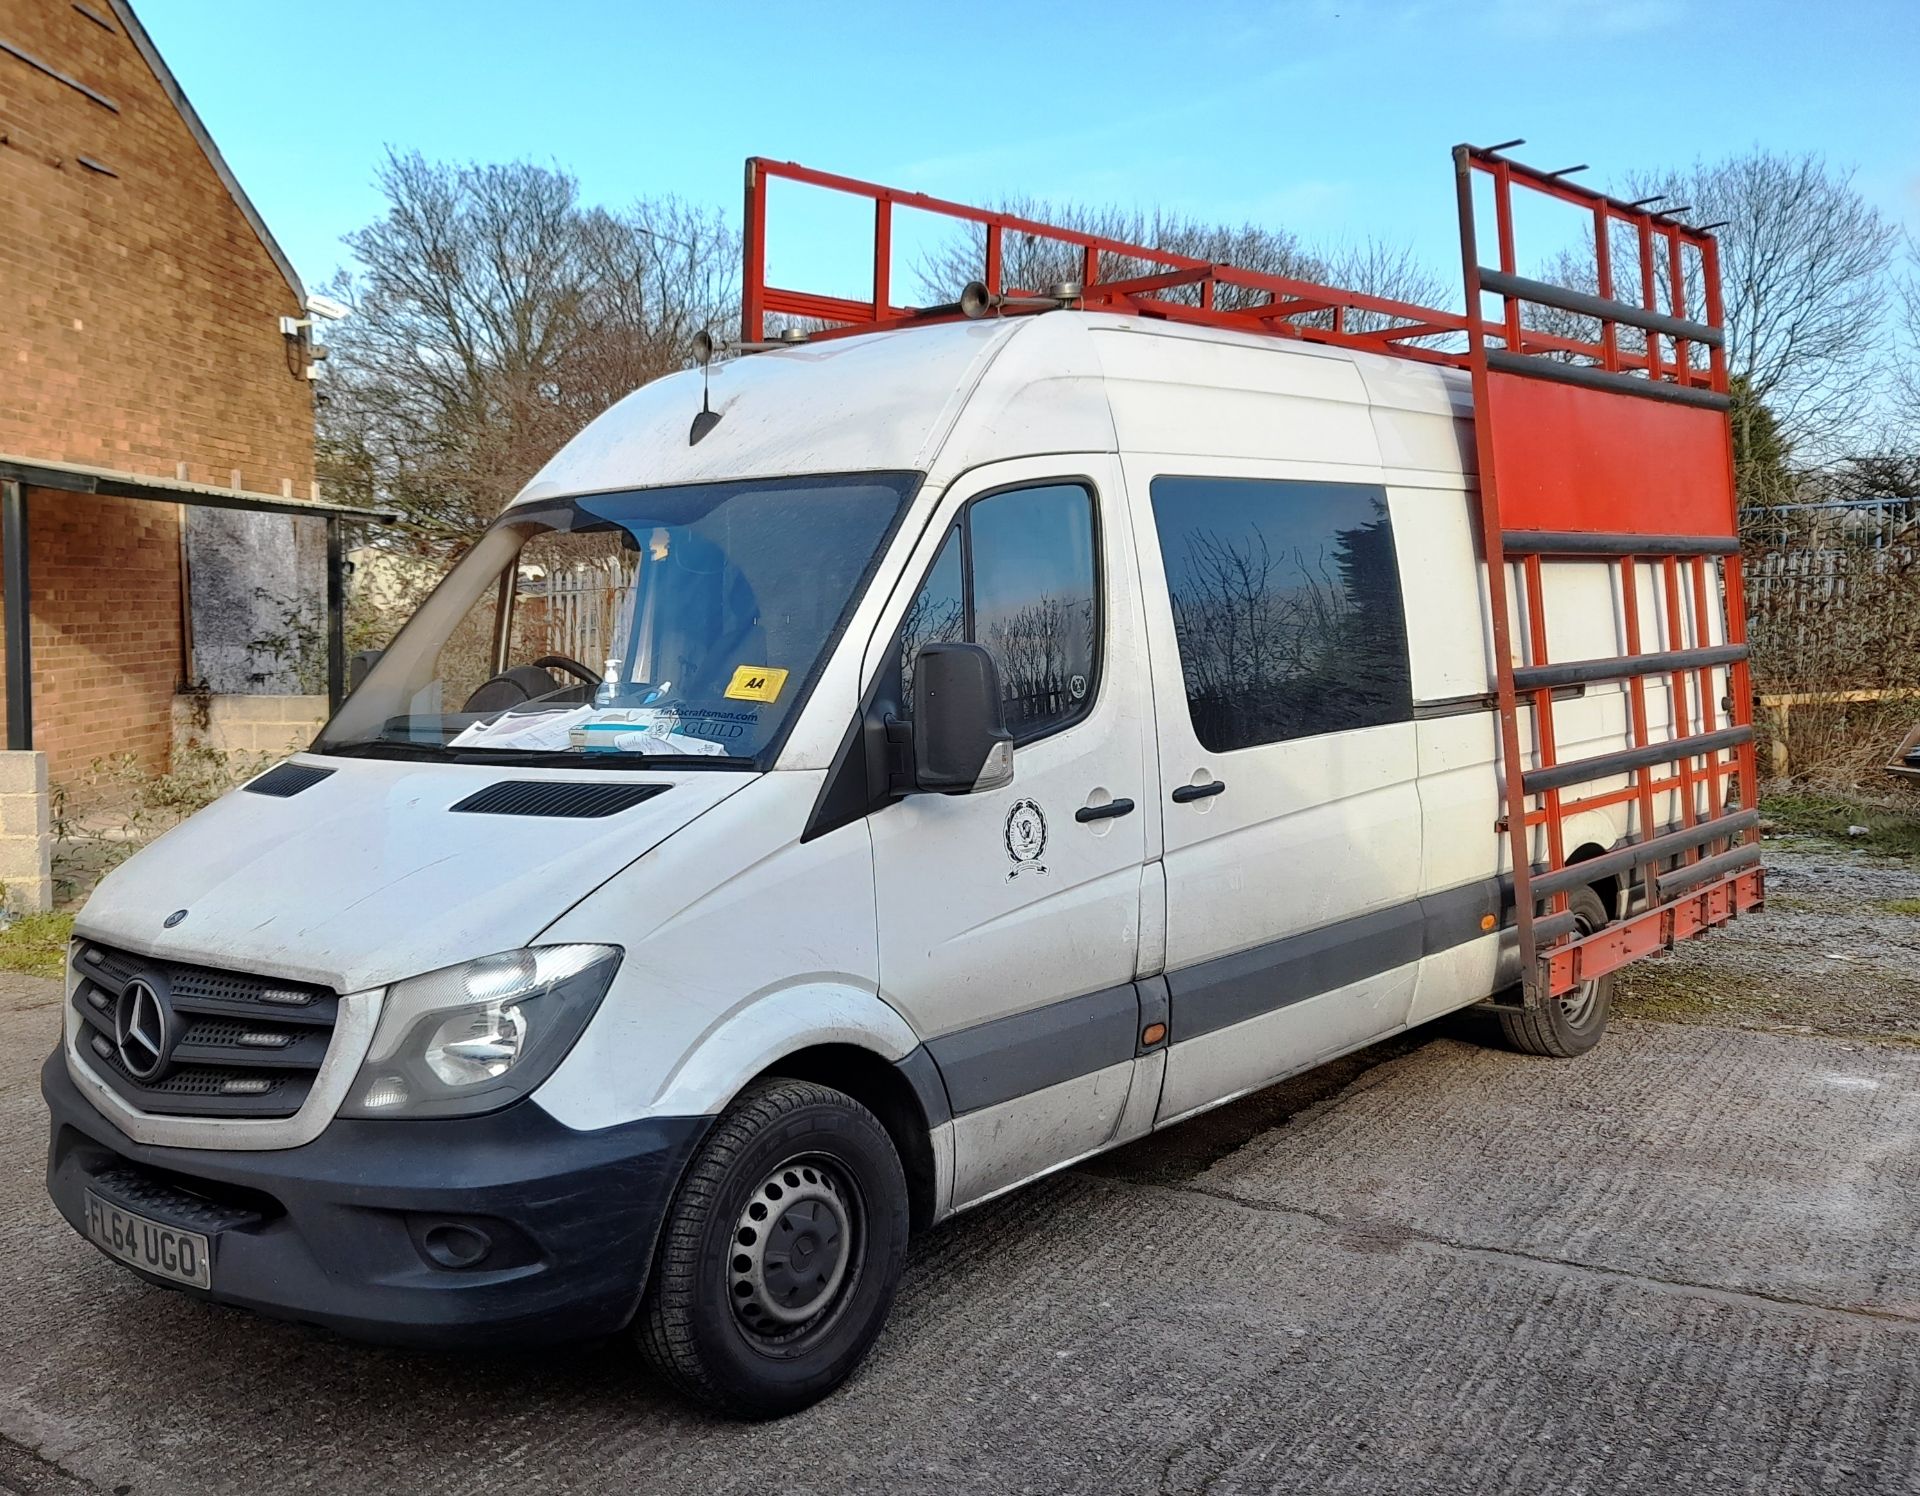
x,y
1606,441
1618,454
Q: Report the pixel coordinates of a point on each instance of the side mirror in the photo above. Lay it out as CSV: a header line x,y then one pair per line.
x,y
960,737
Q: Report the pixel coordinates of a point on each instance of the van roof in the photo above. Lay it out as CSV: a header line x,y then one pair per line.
x,y
946,396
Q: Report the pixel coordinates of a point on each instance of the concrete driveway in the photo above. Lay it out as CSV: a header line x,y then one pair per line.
x,y
1686,1263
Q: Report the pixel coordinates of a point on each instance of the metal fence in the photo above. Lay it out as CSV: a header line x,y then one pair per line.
x,y
575,611
1805,560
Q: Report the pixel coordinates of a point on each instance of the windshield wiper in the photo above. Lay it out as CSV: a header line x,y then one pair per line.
x,y
384,748
533,757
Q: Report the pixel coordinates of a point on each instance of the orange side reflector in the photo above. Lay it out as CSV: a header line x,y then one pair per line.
x,y
1153,1033
1487,921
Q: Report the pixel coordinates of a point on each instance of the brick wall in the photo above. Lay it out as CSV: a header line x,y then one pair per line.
x,y
138,330
106,630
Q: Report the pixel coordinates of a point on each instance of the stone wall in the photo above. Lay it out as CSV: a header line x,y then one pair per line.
x,y
272,725
26,835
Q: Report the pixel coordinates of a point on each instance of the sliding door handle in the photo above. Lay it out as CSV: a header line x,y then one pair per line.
x,y
1107,812
1188,792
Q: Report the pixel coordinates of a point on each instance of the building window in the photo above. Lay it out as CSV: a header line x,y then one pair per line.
x,y
1018,575
1287,607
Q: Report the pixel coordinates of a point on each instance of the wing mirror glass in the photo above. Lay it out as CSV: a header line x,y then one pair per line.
x,y
960,737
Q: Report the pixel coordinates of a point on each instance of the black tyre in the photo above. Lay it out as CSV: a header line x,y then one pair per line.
x,y
1564,1027
781,1253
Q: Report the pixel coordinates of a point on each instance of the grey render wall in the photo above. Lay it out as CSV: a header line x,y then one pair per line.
x,y
258,584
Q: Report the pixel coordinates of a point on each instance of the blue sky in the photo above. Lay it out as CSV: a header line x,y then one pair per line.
x,y
1329,117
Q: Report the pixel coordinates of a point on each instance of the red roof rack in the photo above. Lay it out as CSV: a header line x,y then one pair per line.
x,y
1603,437
1194,282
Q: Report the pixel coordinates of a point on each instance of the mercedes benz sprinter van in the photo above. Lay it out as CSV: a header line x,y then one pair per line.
x,y
959,751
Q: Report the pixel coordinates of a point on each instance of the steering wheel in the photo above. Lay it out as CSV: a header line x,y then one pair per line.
x,y
572,667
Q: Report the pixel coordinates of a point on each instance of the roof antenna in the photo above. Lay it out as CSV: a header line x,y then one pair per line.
x,y
708,417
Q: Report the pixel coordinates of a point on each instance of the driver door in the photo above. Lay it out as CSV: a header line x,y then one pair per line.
x,y
1009,920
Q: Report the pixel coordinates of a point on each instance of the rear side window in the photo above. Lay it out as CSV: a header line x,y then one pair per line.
x,y
1018,576
1287,607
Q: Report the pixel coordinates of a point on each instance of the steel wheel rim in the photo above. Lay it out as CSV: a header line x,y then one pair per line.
x,y
793,1258
1578,1005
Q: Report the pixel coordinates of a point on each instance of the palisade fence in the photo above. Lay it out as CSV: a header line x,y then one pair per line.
x,y
1804,559
1833,613
574,611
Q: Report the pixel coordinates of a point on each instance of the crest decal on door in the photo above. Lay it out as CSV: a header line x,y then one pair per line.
x,y
1026,838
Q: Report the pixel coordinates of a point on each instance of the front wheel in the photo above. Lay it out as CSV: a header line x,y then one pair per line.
x,y
781,1253
1562,1027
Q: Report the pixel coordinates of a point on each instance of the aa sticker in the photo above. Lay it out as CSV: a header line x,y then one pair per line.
x,y
756,683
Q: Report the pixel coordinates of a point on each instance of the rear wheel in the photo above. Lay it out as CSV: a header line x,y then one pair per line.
x,y
781,1254
1563,1027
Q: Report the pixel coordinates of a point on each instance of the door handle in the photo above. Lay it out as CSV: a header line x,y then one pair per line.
x,y
1188,792
1107,812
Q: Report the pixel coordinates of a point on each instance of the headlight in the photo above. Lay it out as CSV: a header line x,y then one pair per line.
x,y
474,1037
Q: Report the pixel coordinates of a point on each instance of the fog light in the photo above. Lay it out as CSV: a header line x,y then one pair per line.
x,y
387,1091
454,1246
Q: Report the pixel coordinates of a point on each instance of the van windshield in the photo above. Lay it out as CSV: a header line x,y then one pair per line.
x,y
664,623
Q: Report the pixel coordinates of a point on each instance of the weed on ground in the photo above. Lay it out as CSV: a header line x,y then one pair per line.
x,y
36,944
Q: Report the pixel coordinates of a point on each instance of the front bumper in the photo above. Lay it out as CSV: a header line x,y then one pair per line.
x,y
352,1231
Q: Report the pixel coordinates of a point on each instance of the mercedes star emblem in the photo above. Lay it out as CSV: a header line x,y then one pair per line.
x,y
140,1030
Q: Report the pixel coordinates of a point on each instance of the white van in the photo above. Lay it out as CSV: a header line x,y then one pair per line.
x,y
980,746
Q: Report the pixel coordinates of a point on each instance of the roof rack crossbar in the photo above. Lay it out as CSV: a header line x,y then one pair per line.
x,y
1601,308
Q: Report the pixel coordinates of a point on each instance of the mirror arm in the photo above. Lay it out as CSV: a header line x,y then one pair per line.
x,y
900,775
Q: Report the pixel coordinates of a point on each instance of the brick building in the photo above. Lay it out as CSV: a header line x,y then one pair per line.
x,y
141,338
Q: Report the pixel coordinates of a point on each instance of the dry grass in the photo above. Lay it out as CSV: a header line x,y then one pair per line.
x,y
36,944
1834,608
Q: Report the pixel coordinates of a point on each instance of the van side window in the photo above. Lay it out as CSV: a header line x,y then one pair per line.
x,y
1287,607
1018,576
937,615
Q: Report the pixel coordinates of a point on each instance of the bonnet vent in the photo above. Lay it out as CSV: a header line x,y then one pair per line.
x,y
545,797
286,780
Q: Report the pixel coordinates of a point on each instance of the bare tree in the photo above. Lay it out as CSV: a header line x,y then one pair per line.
x,y
1804,262
1377,268
494,315
1907,351
1034,263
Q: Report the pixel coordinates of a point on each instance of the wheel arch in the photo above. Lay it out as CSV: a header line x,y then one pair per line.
x,y
908,1097
1609,888
835,1036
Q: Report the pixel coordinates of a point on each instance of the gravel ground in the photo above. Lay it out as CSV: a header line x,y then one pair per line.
x,y
1836,952
1687,1262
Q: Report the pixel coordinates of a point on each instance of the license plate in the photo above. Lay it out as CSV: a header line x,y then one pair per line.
x,y
164,1251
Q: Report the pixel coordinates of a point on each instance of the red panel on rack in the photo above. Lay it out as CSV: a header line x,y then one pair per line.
x,y
1596,461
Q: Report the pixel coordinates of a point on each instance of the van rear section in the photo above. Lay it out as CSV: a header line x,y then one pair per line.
x,y
1603,448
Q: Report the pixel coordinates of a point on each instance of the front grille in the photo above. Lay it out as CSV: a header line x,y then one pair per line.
x,y
236,1045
